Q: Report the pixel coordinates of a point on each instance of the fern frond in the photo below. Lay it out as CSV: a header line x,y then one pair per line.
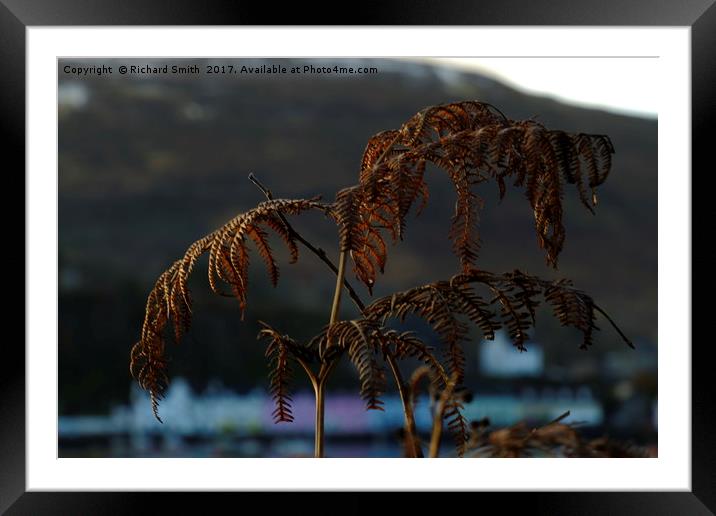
x,y
449,408
435,304
170,300
279,351
444,305
416,378
573,308
375,150
359,234
457,424
463,229
473,143
407,344
517,321
280,374
362,341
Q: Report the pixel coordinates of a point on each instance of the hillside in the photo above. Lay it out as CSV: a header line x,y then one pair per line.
x,y
147,166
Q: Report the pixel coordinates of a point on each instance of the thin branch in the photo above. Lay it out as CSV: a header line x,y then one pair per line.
x,y
553,422
418,374
309,372
411,433
340,278
438,415
614,325
558,419
326,370
320,253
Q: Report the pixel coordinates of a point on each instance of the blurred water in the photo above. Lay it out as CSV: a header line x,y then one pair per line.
x,y
222,423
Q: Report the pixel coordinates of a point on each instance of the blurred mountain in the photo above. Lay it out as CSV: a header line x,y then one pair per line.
x,y
149,164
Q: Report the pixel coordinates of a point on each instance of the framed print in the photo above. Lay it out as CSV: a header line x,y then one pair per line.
x,y
291,254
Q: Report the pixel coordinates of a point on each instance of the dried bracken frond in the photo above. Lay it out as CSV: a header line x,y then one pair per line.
x,y
281,349
363,241
573,308
555,439
408,345
605,447
436,305
515,298
170,299
446,404
280,373
474,143
362,340
457,424
449,408
415,380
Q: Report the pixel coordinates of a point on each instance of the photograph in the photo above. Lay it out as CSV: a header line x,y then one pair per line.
x,y
281,253
357,257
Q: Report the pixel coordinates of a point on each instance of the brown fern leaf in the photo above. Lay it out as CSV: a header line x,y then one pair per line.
x,y
463,230
573,308
415,380
449,408
362,340
410,187
289,239
437,121
359,235
517,320
232,236
555,439
260,238
147,361
407,344
473,142
347,213
280,350
375,150
170,299
457,425
435,304
444,304
467,302
526,292
148,365
606,447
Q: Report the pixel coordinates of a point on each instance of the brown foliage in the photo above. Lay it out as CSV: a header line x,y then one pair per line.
x,y
170,299
555,439
473,143
280,351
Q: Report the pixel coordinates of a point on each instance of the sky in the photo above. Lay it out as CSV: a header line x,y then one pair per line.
x,y
622,85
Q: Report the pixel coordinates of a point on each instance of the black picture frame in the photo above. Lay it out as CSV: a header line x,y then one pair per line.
x,y
17,15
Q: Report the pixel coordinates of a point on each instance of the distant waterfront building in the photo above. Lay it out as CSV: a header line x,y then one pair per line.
x,y
500,358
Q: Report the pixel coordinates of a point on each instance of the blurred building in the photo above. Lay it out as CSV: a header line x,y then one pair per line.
x,y
500,358
242,424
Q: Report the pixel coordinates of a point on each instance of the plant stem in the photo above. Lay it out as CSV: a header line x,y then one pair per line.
x,y
614,325
319,381
320,253
328,366
320,388
339,284
320,412
411,433
438,415
436,435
